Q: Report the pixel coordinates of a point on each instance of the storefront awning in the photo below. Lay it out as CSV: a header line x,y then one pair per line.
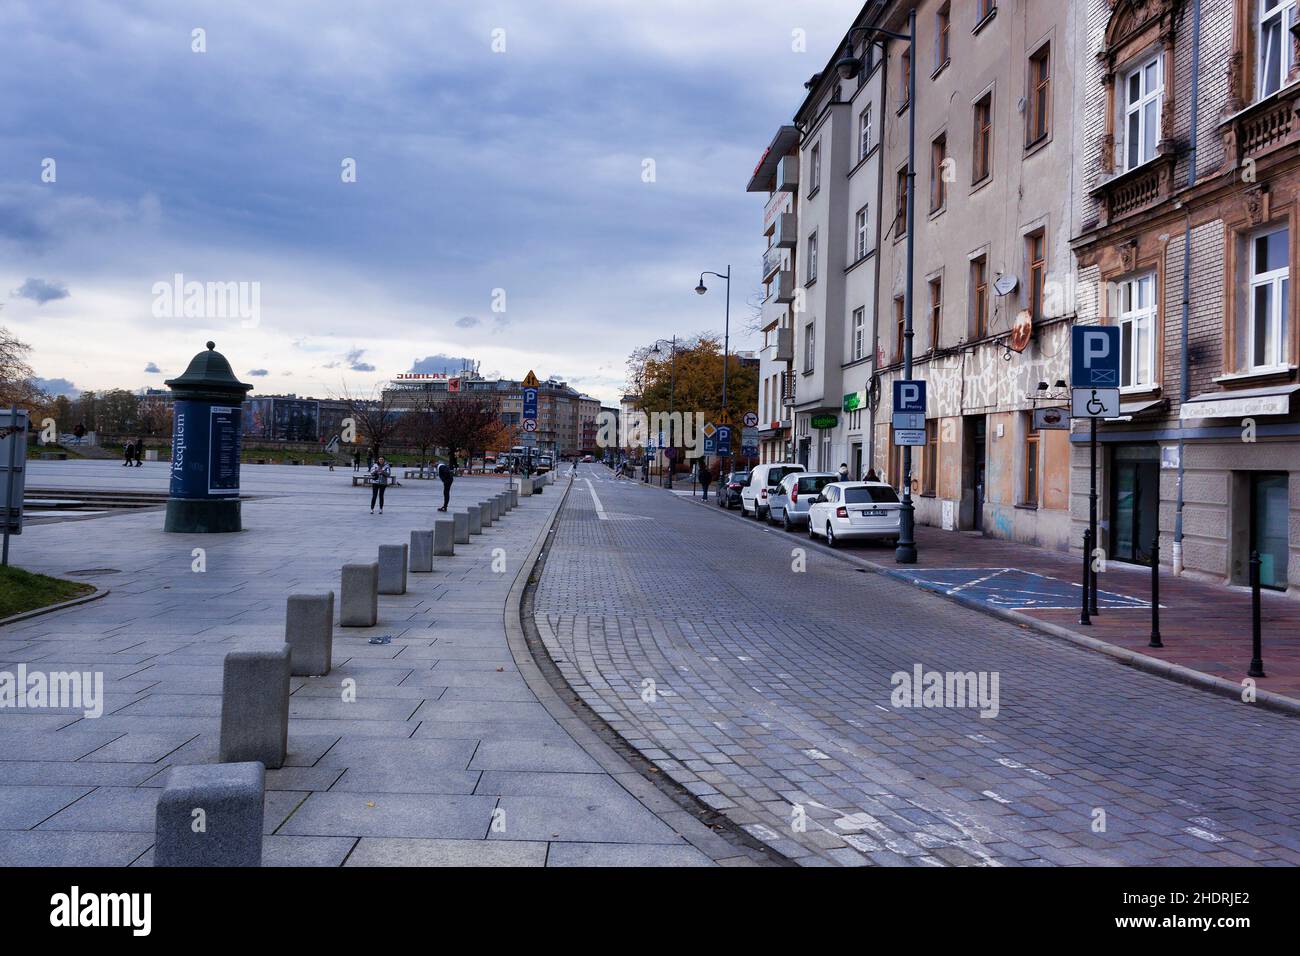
x,y
1273,400
1131,410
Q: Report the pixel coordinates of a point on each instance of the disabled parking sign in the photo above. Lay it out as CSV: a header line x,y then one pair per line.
x,y
1094,371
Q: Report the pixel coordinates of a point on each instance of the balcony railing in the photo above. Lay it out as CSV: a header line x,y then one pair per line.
x,y
1135,190
1262,128
787,174
785,286
786,236
771,262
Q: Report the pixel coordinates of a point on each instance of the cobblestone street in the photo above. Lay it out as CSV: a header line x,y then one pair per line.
x,y
771,702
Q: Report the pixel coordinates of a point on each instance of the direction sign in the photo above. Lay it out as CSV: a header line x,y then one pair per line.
x,y
530,424
1094,403
909,395
751,419
1094,356
724,440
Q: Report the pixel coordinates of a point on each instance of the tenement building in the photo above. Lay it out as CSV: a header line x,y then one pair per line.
x,y
1187,165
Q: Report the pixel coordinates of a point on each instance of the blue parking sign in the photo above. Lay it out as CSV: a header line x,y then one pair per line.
x,y
1094,356
723,438
909,395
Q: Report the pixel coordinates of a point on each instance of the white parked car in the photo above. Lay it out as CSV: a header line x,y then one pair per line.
x,y
855,510
788,503
762,481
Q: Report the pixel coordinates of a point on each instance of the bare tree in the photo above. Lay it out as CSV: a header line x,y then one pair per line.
x,y
17,380
469,423
375,416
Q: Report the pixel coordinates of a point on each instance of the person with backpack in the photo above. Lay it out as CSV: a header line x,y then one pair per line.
x,y
380,476
447,472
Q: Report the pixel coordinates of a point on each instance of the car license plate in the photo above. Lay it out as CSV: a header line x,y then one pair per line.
x,y
872,513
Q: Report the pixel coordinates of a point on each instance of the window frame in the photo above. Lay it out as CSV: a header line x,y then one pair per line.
x,y
938,186
810,267
900,204
935,286
864,132
1145,98
1286,12
1129,320
1279,282
900,321
1037,272
858,333
1039,112
979,280
861,238
982,139
930,463
814,168
942,40
1031,470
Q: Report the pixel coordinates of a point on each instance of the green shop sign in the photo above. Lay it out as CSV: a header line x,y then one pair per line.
x,y
852,401
824,421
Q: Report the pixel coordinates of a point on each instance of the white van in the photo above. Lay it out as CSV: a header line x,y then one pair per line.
x,y
763,481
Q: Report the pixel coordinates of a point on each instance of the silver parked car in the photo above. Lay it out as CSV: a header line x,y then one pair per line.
x,y
788,504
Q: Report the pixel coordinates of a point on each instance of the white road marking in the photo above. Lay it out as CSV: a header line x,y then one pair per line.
x,y
600,509
1203,834
993,796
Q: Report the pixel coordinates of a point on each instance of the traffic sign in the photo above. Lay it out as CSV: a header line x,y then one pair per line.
x,y
530,380
909,436
751,419
724,440
530,404
909,421
709,429
909,395
724,418
1094,403
710,445
530,424
1094,357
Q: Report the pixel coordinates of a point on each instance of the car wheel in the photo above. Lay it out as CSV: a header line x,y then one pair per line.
x,y
786,522
760,515
830,536
812,533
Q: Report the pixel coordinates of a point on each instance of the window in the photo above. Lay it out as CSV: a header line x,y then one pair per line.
x,y
979,283
943,20
930,467
938,172
1035,251
1136,314
809,344
1143,92
936,311
1269,298
905,80
982,160
900,212
898,321
860,244
1275,46
859,332
1031,461
864,133
984,9
812,258
815,168
1040,99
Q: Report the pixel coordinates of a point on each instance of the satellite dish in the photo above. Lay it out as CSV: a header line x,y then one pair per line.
x,y
1022,331
1005,284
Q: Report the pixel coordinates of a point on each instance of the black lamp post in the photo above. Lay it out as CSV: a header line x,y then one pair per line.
x,y
672,400
848,66
726,347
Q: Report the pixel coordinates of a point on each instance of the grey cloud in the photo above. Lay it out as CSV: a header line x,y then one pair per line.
x,y
258,372
57,387
41,291
152,369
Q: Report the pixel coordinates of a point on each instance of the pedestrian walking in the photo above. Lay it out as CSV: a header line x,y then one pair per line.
x,y
705,479
128,453
447,472
380,476
844,471
139,453
356,460
871,475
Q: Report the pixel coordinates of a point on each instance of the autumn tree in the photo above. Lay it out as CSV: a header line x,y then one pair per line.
x,y
697,384
375,417
471,424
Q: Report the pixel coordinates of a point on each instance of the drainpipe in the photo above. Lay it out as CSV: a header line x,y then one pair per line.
x,y
1176,560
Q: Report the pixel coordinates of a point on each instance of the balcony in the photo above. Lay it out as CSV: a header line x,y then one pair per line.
x,y
772,259
1261,128
786,236
785,286
773,312
780,346
787,174
1136,190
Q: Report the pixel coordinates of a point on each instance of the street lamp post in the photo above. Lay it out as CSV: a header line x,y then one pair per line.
x,y
672,401
848,67
726,347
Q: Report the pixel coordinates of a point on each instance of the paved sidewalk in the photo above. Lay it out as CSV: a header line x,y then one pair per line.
x,y
1203,626
445,732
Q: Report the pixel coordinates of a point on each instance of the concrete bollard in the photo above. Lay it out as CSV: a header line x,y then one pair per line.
x,y
392,568
514,497
460,522
421,551
255,707
539,484
444,536
495,503
309,632
505,502
525,486
485,514
229,797
475,520
359,596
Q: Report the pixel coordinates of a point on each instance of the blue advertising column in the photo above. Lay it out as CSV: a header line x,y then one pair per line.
x,y
207,411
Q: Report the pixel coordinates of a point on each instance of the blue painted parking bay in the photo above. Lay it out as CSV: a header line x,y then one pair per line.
x,y
1011,588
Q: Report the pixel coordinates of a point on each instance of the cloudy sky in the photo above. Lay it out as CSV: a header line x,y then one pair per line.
x,y
499,209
